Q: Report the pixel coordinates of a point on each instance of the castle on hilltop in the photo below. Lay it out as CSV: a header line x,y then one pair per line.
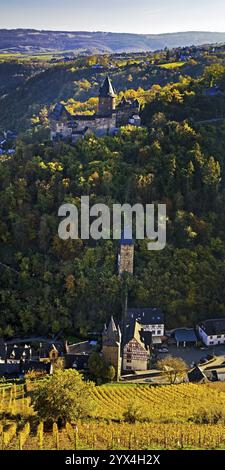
x,y
108,119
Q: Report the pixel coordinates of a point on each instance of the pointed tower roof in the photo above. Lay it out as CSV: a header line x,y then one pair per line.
x,y
112,326
111,337
106,89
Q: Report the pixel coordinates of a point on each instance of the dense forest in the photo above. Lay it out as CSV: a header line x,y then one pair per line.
x,y
70,288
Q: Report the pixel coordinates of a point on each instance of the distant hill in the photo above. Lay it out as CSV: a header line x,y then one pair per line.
x,y
29,40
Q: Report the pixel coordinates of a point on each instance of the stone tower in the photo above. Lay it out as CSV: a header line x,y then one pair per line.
x,y
126,257
111,346
107,99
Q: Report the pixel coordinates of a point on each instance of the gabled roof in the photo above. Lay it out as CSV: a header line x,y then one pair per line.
x,y
146,316
106,89
136,104
18,352
134,330
58,110
196,375
124,102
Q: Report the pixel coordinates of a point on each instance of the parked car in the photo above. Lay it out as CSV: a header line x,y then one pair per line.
x,y
163,350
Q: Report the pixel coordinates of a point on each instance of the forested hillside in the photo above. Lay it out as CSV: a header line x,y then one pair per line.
x,y
28,40
27,87
71,288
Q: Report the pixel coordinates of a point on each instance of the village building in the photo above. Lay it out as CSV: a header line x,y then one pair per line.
x,y
111,346
78,354
151,319
212,331
185,337
211,370
136,352
144,327
19,356
109,117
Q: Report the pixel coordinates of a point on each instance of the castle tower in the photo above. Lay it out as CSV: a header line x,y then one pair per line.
x,y
126,256
111,346
107,99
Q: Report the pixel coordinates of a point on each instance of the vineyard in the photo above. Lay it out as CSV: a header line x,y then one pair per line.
x,y
166,413
176,402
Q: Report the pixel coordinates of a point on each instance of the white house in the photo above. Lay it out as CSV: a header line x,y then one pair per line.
x,y
212,332
151,319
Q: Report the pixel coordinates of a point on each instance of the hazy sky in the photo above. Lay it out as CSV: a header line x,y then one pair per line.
x,y
140,16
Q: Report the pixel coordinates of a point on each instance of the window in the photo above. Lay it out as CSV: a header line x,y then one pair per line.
x,y
219,342
128,356
153,332
218,336
159,332
211,342
129,368
129,361
211,337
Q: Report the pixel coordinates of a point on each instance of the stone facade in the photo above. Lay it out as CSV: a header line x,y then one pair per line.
x,y
106,121
111,346
126,256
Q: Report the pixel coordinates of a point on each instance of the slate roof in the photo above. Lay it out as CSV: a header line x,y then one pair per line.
x,y
146,316
17,369
196,375
185,335
77,361
17,352
83,347
58,110
23,349
136,104
124,102
84,117
126,241
213,327
106,89
111,335
134,331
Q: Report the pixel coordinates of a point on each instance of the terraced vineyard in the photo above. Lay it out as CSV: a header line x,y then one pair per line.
x,y
167,411
176,402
